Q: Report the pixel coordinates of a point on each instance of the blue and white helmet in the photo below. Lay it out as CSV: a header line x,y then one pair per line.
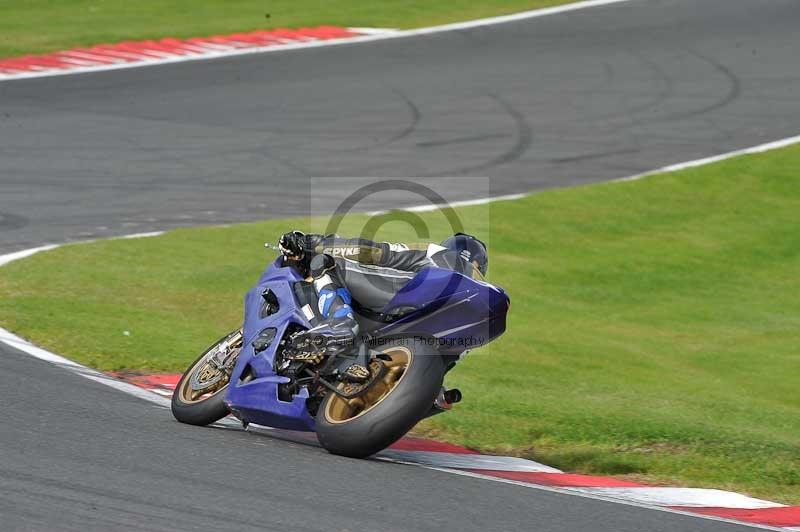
x,y
470,249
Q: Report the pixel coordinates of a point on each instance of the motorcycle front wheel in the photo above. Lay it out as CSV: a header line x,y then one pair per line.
x,y
358,427
198,398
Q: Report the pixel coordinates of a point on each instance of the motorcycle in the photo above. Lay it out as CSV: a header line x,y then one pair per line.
x,y
257,375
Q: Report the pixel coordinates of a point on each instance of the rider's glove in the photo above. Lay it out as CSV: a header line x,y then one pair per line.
x,y
293,245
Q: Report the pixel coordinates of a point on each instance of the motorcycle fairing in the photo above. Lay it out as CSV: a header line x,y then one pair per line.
x,y
454,311
256,401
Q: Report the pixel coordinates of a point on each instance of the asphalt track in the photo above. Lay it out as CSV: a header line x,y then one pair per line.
x,y
549,102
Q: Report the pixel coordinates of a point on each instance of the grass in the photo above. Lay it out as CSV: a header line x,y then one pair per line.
x,y
654,331
70,23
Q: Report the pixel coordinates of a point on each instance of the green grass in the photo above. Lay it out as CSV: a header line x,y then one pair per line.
x,y
37,26
654,331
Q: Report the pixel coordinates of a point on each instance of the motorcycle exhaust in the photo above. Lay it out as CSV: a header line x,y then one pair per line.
x,y
444,401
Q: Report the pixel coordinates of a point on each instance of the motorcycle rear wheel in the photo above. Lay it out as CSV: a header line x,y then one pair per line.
x,y
362,426
198,398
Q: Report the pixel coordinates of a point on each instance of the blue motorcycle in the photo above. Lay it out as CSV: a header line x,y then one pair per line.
x,y
408,345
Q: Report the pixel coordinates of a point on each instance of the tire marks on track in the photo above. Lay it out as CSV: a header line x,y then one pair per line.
x,y
9,222
522,133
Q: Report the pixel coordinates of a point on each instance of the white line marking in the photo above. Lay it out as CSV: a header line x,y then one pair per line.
x,y
25,253
308,439
698,497
503,19
599,497
25,346
469,461
370,37
11,257
139,235
373,31
761,148
464,203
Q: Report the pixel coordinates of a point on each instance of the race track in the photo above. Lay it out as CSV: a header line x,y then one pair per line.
x,y
549,102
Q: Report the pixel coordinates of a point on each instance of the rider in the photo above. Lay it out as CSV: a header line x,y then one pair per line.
x,y
375,271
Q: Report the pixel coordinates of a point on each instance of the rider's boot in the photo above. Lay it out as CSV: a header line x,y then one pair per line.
x,y
338,329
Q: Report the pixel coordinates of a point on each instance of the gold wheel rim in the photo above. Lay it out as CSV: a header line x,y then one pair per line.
x,y
340,410
207,372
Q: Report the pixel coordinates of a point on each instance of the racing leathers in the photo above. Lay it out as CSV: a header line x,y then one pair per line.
x,y
344,268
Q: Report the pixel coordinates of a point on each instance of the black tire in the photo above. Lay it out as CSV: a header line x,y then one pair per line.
x,y
392,416
207,410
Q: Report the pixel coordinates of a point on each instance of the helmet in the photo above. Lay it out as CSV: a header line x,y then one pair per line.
x,y
470,249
